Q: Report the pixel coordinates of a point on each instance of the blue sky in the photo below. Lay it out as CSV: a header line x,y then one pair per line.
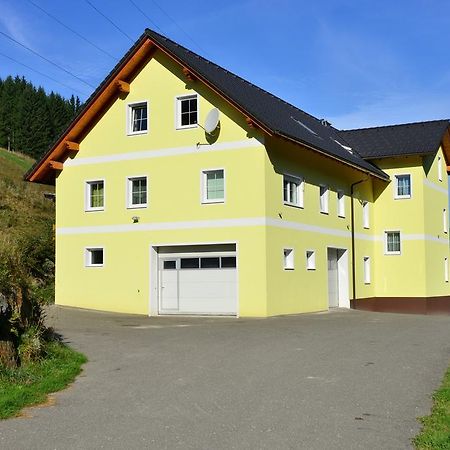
x,y
356,63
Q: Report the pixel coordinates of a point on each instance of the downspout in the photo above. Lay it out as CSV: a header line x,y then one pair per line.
x,y
352,213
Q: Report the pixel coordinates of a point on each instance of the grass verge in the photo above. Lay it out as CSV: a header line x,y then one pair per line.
x,y
29,385
435,434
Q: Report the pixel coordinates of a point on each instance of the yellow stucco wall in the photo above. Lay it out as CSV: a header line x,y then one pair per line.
x,y
253,215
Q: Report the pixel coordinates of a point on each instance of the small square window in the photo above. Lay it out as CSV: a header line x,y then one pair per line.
x,y
288,258
392,242
228,262
170,264
137,192
341,203
293,188
94,257
324,193
138,118
403,186
213,186
95,195
310,260
187,111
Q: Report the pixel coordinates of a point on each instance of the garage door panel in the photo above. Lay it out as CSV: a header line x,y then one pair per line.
x,y
200,288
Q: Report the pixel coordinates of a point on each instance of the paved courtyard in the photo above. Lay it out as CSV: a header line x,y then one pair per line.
x,y
338,380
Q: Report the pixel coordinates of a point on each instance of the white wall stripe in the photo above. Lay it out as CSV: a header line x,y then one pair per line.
x,y
434,186
164,152
243,222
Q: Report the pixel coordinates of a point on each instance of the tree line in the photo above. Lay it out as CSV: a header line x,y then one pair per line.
x,y
31,119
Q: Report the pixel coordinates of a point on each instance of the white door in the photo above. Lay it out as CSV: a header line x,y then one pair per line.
x,y
203,284
333,278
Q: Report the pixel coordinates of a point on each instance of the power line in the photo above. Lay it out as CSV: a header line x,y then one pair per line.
x,y
109,20
42,74
178,26
46,59
145,15
72,30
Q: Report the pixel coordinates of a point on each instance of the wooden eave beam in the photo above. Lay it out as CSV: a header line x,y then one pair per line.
x,y
72,146
56,165
250,123
123,87
188,74
94,110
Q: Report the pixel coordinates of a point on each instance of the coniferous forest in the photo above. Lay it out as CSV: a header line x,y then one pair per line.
x,y
31,119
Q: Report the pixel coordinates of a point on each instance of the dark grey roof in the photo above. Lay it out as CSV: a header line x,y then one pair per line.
x,y
272,112
418,138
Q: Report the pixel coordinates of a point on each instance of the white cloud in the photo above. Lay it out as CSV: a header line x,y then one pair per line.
x,y
14,25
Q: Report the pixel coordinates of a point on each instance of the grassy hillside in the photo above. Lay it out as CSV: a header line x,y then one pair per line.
x,y
26,223
23,207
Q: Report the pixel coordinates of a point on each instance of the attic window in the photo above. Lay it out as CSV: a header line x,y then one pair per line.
x,y
303,125
345,147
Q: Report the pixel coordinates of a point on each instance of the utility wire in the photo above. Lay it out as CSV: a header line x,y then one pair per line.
x,y
72,30
178,26
145,15
109,20
45,59
42,74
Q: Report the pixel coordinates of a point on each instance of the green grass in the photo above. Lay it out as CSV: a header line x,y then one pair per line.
x,y
29,385
435,434
23,161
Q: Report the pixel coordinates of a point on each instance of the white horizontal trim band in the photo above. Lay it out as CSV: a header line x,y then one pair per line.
x,y
164,152
243,222
434,186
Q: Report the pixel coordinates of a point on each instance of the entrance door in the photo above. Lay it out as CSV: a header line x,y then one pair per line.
x,y
333,278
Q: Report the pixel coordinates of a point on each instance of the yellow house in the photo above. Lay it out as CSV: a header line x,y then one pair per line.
x,y
184,189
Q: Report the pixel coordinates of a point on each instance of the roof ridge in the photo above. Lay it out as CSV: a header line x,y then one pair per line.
x,y
396,125
236,76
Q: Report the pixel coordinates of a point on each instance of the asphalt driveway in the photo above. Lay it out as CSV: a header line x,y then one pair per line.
x,y
339,380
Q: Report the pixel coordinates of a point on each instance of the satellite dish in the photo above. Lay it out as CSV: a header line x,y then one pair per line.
x,y
212,120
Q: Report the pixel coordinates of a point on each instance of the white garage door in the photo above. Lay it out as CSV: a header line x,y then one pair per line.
x,y
198,284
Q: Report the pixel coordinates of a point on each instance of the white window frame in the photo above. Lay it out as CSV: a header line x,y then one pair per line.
x,y
439,164
310,259
203,182
366,269
129,190
87,195
366,214
88,256
386,252
129,116
444,220
446,269
324,199
396,194
340,196
300,181
178,100
288,258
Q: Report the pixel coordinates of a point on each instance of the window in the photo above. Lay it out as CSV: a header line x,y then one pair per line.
x,y
293,188
206,262
213,186
392,242
95,195
403,186
94,257
444,220
288,258
228,262
137,192
187,111
446,270
341,203
324,199
210,262
366,270
137,118
366,217
439,162
310,260
170,264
